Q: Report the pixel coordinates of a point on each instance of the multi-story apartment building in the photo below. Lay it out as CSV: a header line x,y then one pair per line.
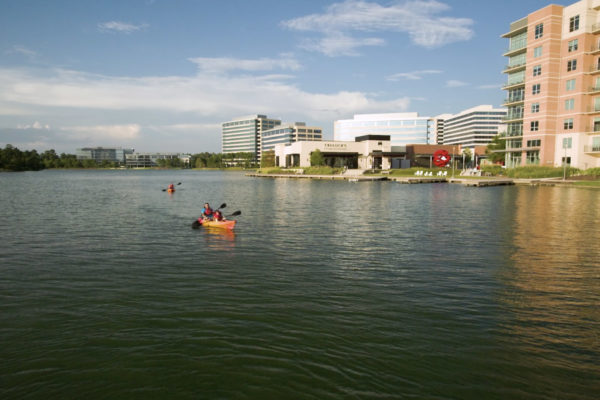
x,y
244,134
553,87
289,133
473,127
403,128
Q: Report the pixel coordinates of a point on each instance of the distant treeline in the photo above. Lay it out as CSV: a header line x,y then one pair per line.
x,y
223,160
13,159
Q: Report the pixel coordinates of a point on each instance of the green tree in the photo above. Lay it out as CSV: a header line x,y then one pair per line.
x,y
492,150
317,159
268,159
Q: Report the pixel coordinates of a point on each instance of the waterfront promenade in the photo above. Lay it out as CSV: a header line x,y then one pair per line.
x,y
475,182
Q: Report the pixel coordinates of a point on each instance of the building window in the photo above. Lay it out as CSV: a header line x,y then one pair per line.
x,y
567,143
537,52
573,45
568,123
535,107
537,70
569,104
539,31
535,126
573,23
533,157
534,143
535,89
571,65
571,84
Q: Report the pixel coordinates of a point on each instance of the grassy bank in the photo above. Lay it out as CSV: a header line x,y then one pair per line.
x,y
305,171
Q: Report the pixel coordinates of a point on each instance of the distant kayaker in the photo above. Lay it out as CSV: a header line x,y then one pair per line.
x,y
171,187
207,212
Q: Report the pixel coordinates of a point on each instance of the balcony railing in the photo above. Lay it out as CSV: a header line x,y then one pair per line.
x,y
591,149
593,129
512,116
519,82
593,109
515,66
595,49
596,28
595,69
594,89
514,99
516,47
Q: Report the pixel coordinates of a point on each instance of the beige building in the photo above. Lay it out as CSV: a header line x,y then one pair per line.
x,y
366,152
553,87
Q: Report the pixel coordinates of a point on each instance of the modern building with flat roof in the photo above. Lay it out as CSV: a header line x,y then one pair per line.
x,y
289,133
243,134
438,128
100,154
476,126
147,160
553,87
403,128
365,152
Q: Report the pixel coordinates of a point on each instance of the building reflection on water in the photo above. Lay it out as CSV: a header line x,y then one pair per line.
x,y
550,296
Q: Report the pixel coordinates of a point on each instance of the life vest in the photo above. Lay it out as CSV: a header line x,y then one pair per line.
x,y
207,211
171,186
218,216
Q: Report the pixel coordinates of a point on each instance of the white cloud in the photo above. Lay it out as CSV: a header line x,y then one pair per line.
x,y
338,44
17,49
454,83
419,19
121,27
223,64
35,125
99,132
203,94
89,109
414,75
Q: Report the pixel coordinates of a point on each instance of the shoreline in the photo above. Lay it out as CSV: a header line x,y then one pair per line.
x,y
470,181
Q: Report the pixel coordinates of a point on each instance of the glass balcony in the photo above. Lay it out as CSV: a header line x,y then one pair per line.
x,y
514,99
512,116
514,83
595,148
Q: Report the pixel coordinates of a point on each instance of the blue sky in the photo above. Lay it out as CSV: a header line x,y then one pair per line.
x,y
161,75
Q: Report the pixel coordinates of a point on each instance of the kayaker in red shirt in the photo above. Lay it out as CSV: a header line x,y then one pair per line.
x,y
218,216
171,187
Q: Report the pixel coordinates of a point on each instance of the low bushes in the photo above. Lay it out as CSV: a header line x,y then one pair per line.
x,y
275,170
322,170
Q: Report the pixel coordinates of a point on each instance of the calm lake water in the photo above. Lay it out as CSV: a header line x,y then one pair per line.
x,y
326,290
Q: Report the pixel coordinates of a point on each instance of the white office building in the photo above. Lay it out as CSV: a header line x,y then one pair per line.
x,y
438,128
403,128
289,133
473,127
243,134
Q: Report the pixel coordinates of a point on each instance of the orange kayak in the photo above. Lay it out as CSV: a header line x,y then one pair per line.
x,y
171,190
228,224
